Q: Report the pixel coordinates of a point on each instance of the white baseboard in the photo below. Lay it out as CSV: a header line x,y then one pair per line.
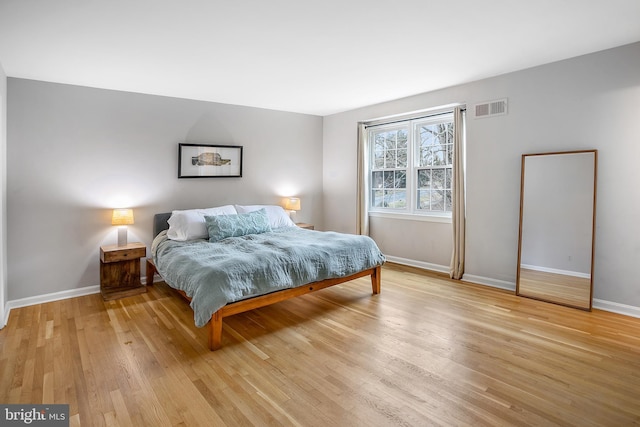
x,y
418,264
494,283
610,306
556,271
6,315
614,307
55,296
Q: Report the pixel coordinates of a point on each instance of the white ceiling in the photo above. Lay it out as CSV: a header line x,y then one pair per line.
x,y
318,57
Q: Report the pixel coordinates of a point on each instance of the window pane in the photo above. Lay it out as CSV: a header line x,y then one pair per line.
x,y
403,135
434,146
376,179
424,148
423,199
402,158
390,149
437,201
378,151
388,179
400,179
377,198
434,189
424,178
442,133
427,137
388,197
438,179
395,199
426,159
438,156
390,140
390,159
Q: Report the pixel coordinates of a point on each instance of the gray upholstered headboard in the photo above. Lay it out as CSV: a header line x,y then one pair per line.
x,y
160,222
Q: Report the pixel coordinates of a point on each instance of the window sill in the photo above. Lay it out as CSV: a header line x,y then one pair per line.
x,y
412,217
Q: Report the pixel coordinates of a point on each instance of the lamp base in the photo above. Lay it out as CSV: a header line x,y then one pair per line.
x,y
122,236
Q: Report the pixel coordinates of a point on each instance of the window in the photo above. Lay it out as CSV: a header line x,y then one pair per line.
x,y
389,169
411,166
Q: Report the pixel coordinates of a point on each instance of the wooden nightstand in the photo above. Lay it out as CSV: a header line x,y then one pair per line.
x,y
120,270
305,225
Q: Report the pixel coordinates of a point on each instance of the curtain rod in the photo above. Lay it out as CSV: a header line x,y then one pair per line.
x,y
405,118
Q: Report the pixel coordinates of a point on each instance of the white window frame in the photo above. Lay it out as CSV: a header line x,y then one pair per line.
x,y
411,212
372,148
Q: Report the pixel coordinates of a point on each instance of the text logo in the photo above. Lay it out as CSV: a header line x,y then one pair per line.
x,y
34,415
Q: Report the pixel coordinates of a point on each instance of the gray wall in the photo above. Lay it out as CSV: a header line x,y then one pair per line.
x,y
586,102
3,196
74,153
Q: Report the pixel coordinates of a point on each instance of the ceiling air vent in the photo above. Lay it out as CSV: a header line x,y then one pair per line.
x,y
491,108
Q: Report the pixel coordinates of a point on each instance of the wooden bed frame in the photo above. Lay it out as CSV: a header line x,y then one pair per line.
x,y
215,325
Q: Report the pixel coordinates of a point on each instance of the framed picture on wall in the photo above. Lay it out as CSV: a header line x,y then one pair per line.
x,y
209,161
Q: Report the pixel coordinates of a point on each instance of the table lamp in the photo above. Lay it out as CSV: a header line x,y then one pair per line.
x,y
122,218
292,205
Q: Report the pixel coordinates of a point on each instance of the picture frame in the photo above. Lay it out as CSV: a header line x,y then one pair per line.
x,y
209,161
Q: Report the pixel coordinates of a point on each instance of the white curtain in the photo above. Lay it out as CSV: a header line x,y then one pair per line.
x,y
456,269
362,220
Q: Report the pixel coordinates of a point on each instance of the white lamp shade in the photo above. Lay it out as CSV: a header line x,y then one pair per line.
x,y
293,204
122,217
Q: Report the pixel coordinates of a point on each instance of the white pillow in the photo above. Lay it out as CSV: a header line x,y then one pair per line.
x,y
190,224
278,217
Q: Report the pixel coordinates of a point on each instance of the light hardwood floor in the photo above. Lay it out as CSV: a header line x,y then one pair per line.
x,y
426,351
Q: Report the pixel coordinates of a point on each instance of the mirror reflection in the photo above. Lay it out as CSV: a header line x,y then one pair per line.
x,y
557,217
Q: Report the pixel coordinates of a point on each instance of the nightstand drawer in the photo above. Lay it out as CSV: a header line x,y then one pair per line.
x,y
116,253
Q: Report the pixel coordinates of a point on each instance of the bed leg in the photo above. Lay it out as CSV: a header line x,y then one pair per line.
x,y
151,271
375,280
215,331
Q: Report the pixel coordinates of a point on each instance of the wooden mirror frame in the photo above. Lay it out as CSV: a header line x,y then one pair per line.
x,y
593,229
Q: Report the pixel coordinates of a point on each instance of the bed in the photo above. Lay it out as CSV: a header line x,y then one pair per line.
x,y
223,268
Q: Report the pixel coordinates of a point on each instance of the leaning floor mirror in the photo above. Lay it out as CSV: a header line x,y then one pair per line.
x,y
557,225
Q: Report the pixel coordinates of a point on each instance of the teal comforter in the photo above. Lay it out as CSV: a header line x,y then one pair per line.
x,y
235,268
